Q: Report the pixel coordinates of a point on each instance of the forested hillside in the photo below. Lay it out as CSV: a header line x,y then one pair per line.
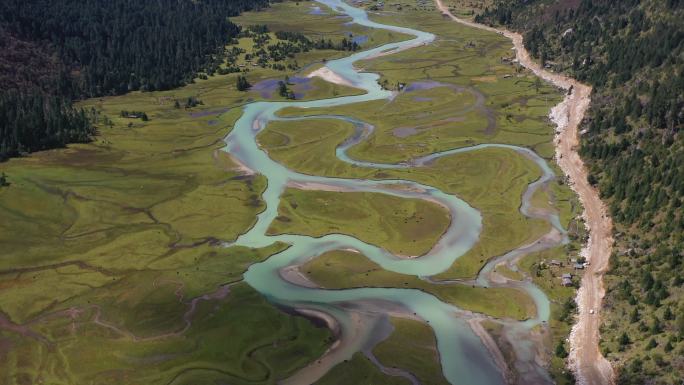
x,y
632,52
52,51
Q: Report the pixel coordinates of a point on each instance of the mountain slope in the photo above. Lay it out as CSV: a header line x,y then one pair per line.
x,y
632,52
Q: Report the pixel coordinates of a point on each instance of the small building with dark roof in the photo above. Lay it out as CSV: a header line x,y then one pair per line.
x,y
566,280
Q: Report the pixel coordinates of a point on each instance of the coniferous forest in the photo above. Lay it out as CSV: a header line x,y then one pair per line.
x,y
55,51
34,121
632,52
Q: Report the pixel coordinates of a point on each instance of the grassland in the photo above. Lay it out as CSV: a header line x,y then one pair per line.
x,y
491,180
109,248
468,8
470,65
412,347
341,269
402,226
300,16
107,244
359,370
481,98
81,351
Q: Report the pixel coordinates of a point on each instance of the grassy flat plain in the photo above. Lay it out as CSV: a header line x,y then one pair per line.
x,y
480,98
339,269
116,231
468,8
468,65
359,370
407,227
412,346
108,247
491,180
302,16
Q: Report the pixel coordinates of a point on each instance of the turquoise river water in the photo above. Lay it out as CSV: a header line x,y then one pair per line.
x,y
361,314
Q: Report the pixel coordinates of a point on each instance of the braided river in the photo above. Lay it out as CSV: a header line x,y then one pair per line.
x,y
359,317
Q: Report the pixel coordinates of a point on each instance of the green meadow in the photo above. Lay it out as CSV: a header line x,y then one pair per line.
x,y
413,347
407,227
113,268
106,244
467,8
341,269
484,98
297,16
481,98
491,180
359,370
217,347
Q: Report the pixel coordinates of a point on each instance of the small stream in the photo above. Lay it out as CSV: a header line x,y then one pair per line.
x,y
360,313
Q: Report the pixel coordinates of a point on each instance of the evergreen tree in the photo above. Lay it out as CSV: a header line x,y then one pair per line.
x,y
624,339
242,83
283,91
656,326
560,350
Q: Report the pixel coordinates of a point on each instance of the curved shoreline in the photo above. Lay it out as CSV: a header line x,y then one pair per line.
x,y
490,344
463,354
586,360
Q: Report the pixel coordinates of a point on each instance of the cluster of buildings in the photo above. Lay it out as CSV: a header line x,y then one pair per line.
x,y
576,264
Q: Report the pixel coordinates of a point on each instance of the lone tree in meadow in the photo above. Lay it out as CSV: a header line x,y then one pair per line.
x,y
243,84
282,89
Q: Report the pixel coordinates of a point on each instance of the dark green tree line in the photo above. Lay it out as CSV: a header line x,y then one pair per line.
x,y
55,51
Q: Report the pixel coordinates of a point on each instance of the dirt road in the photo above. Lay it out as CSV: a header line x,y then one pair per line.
x,y
586,360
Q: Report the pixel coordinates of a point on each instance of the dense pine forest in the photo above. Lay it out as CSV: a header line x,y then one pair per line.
x,y
632,52
33,121
55,51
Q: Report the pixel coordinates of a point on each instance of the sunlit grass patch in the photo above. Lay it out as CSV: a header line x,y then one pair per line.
x,y
344,269
402,226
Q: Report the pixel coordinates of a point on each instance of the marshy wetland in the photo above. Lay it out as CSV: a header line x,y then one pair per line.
x,y
391,229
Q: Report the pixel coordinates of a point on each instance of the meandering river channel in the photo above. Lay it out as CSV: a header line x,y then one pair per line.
x,y
359,316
